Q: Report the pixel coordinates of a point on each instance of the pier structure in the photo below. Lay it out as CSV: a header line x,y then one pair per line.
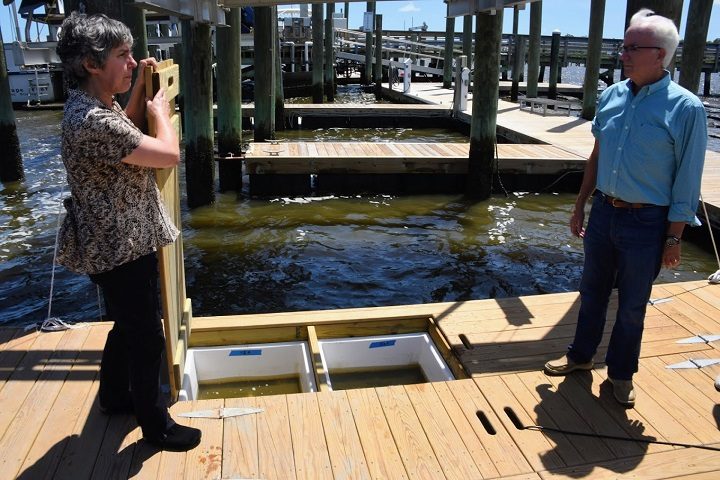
x,y
500,418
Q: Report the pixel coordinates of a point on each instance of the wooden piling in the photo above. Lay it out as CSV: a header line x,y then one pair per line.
x,y
11,167
134,18
198,115
515,28
486,81
229,101
264,74
518,66
279,101
706,83
368,48
554,64
671,9
467,49
377,70
592,65
534,49
449,44
329,53
694,45
317,53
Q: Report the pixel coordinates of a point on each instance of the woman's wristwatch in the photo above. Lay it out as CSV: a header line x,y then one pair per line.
x,y
672,240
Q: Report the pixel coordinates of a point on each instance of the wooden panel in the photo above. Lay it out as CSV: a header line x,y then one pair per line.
x,y
309,447
57,432
205,460
172,464
553,408
450,450
381,454
240,436
275,452
536,448
18,386
344,447
412,443
29,419
170,257
497,441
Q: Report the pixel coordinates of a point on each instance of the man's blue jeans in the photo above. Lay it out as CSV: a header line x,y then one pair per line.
x,y
623,249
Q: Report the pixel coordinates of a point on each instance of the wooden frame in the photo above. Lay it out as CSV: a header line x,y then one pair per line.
x,y
176,307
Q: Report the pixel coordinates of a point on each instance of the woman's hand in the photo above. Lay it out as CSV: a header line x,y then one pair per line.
x,y
671,256
145,62
159,107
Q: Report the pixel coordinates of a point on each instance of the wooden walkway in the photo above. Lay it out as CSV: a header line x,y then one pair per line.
x,y
571,134
50,425
382,157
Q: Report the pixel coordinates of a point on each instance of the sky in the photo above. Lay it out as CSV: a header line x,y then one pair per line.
x,y
567,16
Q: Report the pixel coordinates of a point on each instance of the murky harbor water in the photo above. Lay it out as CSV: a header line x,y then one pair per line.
x,y
251,256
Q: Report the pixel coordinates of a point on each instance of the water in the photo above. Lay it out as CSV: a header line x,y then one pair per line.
x,y
252,256
249,387
347,379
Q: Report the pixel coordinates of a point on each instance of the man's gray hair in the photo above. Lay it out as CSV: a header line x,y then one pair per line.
x,y
88,37
664,31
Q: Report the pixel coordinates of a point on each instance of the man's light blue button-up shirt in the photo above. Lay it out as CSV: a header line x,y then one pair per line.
x,y
652,146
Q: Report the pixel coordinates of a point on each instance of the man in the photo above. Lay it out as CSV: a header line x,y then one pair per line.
x,y
644,175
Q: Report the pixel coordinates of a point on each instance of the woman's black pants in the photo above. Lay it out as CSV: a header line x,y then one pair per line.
x,y
131,361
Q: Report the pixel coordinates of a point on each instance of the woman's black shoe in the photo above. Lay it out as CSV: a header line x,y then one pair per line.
x,y
178,438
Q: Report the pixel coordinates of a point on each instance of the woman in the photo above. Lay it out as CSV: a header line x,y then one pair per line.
x,y
115,219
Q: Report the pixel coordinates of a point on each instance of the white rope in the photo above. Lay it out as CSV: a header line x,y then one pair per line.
x,y
715,277
54,324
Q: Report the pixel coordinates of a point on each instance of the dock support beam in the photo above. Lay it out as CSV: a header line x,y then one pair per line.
x,y
198,115
329,53
368,48
554,64
377,70
449,44
279,100
592,65
11,167
694,45
486,82
534,49
229,103
134,18
264,73
318,89
467,39
518,66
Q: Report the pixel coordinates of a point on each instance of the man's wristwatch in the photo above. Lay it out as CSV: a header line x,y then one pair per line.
x,y
671,241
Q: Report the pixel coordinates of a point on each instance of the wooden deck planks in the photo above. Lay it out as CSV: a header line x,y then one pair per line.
x,y
344,447
381,453
308,438
30,417
413,445
415,431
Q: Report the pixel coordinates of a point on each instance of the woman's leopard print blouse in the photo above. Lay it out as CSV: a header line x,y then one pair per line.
x,y
114,214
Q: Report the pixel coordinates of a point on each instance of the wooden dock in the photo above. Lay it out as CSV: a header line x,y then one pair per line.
x,y
399,158
50,425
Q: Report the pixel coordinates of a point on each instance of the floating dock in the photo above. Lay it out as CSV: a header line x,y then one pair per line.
x,y
51,427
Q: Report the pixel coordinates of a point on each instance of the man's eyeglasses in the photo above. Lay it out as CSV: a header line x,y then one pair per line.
x,y
633,48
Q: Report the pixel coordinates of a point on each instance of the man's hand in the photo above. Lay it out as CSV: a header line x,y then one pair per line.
x,y
671,256
577,221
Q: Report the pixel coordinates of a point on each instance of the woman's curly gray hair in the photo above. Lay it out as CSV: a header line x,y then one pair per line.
x,y
88,37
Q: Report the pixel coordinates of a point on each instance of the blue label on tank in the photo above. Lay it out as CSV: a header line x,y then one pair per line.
x,y
384,343
241,353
